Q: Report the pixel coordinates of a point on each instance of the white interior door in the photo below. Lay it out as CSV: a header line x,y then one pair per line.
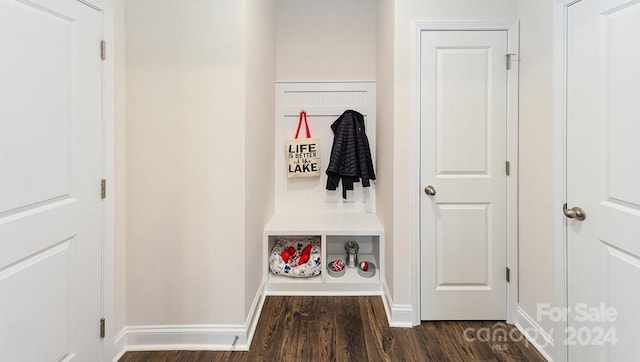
x,y
603,179
463,116
50,171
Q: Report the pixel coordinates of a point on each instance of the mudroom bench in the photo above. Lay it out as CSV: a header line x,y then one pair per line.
x,y
333,230
305,209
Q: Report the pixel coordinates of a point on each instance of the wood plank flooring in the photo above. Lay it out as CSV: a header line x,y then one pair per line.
x,y
355,329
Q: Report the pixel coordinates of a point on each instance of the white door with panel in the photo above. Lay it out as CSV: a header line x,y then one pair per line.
x,y
603,180
463,117
50,172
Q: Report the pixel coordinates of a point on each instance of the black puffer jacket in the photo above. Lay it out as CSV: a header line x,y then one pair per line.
x,y
350,154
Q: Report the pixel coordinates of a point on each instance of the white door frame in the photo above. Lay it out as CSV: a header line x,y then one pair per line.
x,y
106,7
561,9
512,29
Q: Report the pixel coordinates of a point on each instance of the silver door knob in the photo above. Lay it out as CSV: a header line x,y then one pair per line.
x,y
430,190
574,213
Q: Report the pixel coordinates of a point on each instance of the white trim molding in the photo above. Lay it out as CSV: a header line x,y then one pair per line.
x,y
512,28
535,334
398,315
561,8
251,322
120,345
186,337
197,337
106,7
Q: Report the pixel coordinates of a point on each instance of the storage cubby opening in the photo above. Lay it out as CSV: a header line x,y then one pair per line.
x,y
278,278
271,239
369,250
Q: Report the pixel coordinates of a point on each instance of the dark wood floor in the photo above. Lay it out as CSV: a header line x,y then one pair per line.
x,y
355,329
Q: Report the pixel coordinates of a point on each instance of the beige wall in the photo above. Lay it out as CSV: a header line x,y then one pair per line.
x,y
198,104
385,124
535,193
259,136
325,40
185,110
535,164
407,13
120,245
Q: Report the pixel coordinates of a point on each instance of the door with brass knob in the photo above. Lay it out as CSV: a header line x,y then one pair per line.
x,y
430,190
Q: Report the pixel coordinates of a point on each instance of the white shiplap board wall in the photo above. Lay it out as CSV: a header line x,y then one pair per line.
x,y
324,103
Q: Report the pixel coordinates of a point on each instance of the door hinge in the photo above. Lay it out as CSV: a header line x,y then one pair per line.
x,y
508,275
102,327
509,60
103,50
103,189
507,168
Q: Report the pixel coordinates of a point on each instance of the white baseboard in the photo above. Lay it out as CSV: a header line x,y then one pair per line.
x,y
534,333
254,313
398,315
233,337
387,301
186,337
120,344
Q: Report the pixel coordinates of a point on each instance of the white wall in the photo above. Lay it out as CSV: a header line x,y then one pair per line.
x,y
120,257
385,124
535,193
259,136
535,164
185,110
325,40
407,13
198,181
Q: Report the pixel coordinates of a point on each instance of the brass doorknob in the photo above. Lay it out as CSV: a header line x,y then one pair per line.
x,y
574,212
430,190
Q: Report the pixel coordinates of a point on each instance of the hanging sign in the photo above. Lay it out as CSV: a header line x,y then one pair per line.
x,y
303,154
